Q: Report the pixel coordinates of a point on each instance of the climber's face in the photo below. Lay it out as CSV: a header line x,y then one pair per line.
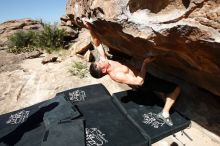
x,y
103,65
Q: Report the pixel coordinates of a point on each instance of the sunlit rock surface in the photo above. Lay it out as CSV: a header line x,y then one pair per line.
x,y
184,34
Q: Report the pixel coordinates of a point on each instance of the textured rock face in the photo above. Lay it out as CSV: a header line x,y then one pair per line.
x,y
184,34
10,27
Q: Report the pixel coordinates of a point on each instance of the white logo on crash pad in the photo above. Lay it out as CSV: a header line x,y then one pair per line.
x,y
77,95
94,137
18,117
150,119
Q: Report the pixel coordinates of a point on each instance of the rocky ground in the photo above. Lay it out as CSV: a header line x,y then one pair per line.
x,y
25,82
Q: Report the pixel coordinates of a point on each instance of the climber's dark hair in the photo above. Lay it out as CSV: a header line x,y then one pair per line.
x,y
95,71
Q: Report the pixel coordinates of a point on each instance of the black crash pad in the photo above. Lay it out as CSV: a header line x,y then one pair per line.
x,y
27,126
126,118
105,124
65,133
142,107
84,93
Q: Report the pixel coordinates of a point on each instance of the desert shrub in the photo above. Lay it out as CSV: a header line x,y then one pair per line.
x,y
50,38
21,50
79,69
21,41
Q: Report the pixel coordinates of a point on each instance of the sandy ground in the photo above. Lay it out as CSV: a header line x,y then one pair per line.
x,y
27,82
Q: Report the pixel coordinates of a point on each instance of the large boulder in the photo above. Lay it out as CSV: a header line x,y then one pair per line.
x,y
10,27
184,34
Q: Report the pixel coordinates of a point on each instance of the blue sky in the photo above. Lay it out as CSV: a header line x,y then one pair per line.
x,y
47,10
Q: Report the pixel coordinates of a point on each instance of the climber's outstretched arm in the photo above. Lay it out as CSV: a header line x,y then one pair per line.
x,y
95,39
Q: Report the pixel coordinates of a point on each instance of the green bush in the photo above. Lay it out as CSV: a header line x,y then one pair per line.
x,y
79,69
50,38
21,41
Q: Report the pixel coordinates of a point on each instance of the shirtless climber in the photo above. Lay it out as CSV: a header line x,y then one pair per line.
x,y
124,74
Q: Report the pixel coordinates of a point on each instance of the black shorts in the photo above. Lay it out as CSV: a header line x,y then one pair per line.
x,y
153,83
